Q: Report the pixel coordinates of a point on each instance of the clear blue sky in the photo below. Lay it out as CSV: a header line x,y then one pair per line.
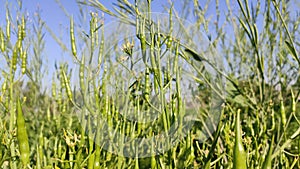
x,y
58,22
53,16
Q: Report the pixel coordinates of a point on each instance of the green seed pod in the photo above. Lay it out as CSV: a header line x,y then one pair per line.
x,y
169,42
142,38
282,113
7,27
255,34
143,47
97,162
20,38
59,98
96,32
296,134
4,86
293,102
103,87
127,131
67,85
239,155
92,28
15,57
19,41
81,74
101,47
4,100
53,89
170,39
22,136
61,78
72,37
21,53
176,56
2,41
64,107
59,149
273,120
23,28
147,84
24,61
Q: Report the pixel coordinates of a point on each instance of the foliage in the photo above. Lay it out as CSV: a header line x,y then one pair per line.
x,y
61,126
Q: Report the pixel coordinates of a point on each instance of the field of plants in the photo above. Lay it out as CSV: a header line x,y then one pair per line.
x,y
183,88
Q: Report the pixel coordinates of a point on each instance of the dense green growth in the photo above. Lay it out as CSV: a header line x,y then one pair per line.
x,y
63,125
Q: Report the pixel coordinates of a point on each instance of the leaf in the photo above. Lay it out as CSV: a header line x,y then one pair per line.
x,y
194,55
292,50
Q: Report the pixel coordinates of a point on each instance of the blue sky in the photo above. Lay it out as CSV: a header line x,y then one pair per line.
x,y
58,22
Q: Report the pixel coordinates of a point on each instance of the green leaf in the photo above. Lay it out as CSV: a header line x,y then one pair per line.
x,y
194,55
292,51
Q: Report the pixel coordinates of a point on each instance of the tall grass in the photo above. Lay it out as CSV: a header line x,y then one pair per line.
x,y
146,97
